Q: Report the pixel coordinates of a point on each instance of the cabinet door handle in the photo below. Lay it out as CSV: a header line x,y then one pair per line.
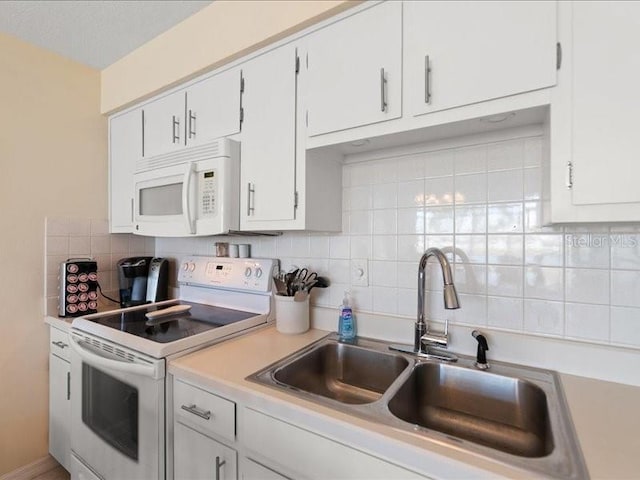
x,y
197,411
427,79
219,465
132,210
250,190
59,344
192,124
383,91
68,385
176,129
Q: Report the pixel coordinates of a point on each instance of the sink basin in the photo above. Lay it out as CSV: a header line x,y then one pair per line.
x,y
504,413
343,372
511,414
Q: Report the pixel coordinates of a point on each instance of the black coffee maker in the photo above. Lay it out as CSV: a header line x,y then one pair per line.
x,y
142,280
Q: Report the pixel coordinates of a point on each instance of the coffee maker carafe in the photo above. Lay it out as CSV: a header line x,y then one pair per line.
x,y
142,280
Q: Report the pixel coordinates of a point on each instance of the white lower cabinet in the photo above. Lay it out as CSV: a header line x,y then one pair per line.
x,y
198,457
251,470
59,398
300,453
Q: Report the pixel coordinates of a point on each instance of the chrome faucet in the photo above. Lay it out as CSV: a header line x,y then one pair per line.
x,y
423,338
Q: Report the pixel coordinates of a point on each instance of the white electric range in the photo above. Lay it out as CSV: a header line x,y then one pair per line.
x,y
118,362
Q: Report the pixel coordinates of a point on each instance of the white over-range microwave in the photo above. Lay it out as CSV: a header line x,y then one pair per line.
x,y
195,191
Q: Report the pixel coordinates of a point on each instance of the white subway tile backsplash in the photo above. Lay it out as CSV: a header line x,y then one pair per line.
x,y
410,221
385,247
471,248
410,168
505,249
470,160
438,164
482,205
505,218
546,283
587,286
505,313
625,288
505,281
385,222
79,246
505,155
545,250
385,195
58,245
57,227
438,191
471,219
625,326
438,220
542,316
588,322
505,186
410,194
471,188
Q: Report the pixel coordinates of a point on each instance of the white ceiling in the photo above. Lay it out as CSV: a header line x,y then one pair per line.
x,y
94,32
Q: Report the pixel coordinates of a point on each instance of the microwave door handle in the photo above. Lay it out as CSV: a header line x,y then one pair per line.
x,y
186,195
108,363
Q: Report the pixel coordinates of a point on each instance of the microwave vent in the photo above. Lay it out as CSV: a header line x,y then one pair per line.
x,y
218,148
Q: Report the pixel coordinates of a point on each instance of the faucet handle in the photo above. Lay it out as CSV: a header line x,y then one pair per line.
x,y
440,340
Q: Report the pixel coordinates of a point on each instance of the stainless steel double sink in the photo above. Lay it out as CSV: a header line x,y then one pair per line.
x,y
511,414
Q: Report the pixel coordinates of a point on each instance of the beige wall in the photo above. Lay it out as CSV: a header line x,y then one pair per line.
x,y
219,33
53,159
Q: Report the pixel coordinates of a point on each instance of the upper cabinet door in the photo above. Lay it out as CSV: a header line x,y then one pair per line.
x,y
268,147
355,70
164,124
125,147
213,108
462,52
606,100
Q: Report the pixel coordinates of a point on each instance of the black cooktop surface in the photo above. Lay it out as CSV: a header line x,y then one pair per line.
x,y
198,319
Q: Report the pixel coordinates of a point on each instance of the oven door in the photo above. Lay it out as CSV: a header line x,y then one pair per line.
x,y
117,405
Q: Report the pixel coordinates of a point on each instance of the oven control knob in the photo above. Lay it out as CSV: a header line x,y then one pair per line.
x,y
258,272
192,266
247,272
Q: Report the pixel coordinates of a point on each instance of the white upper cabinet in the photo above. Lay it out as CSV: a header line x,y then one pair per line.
x,y
268,140
202,112
355,70
125,147
594,134
463,52
213,108
164,124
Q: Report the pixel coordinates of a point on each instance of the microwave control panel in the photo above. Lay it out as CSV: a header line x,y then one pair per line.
x,y
207,193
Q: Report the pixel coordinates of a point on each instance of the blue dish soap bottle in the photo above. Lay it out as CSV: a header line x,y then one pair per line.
x,y
346,322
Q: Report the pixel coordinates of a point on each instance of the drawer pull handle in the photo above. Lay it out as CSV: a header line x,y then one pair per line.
x,y
197,411
60,344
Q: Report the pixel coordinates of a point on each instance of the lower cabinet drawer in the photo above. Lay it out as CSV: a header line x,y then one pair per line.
x,y
203,411
300,453
59,343
198,457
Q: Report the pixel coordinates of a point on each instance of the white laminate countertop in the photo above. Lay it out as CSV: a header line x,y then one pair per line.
x,y
605,414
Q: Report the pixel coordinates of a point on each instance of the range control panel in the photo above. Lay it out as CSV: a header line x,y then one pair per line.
x,y
253,274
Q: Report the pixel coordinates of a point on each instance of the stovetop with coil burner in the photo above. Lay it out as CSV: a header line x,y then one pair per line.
x,y
225,296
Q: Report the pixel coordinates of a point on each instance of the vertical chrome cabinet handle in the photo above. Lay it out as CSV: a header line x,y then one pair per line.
x,y
197,411
192,124
132,210
383,91
250,190
219,465
427,79
68,385
176,129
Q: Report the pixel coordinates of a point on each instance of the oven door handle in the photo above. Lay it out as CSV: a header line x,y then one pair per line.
x,y
109,363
